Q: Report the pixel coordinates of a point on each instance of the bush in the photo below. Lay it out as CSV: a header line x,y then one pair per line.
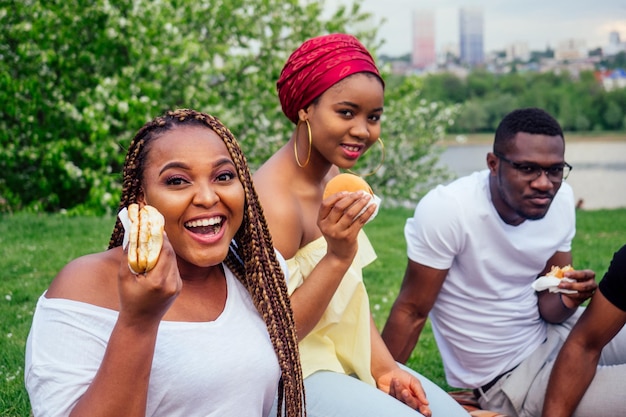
x,y
79,78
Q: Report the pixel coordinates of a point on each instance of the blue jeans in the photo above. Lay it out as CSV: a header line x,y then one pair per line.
x,y
331,394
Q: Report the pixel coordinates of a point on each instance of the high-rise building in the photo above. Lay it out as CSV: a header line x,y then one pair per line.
x,y
471,43
615,45
423,55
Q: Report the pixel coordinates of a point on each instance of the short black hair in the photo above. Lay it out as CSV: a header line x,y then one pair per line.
x,y
531,120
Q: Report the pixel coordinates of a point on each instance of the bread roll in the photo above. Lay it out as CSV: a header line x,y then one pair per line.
x,y
559,272
346,182
145,237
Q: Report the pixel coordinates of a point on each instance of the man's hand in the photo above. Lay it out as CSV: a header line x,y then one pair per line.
x,y
585,285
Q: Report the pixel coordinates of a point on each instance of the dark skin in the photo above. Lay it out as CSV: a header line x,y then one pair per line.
x,y
345,122
577,362
516,201
186,181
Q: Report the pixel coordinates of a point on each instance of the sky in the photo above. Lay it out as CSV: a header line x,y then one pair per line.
x,y
540,23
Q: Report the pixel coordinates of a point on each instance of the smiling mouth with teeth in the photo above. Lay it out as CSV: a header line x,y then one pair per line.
x,y
205,226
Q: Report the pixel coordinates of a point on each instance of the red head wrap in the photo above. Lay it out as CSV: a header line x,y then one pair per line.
x,y
318,64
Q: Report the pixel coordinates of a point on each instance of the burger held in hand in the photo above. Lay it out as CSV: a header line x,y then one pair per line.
x,y
559,272
351,183
145,237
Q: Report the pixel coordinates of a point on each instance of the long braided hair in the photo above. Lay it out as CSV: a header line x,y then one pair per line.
x,y
251,256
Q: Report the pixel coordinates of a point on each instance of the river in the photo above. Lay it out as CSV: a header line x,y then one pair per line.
x,y
598,177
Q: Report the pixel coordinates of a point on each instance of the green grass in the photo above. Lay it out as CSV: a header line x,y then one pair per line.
x,y
35,247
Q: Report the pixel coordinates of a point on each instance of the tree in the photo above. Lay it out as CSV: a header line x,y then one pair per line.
x,y
79,77
614,115
473,117
411,129
479,83
445,87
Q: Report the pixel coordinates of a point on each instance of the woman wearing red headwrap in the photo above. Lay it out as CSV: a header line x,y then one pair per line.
x,y
332,91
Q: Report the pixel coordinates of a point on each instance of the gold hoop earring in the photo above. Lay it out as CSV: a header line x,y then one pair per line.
x,y
295,143
382,161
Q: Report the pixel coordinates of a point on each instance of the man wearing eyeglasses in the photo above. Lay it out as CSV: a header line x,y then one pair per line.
x,y
475,247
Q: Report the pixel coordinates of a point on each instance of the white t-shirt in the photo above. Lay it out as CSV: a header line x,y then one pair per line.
x,y
485,319
225,367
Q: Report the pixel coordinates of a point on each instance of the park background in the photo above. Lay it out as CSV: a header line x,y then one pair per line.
x,y
78,78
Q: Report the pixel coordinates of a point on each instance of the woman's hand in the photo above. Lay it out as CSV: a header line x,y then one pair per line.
x,y
147,297
406,388
340,221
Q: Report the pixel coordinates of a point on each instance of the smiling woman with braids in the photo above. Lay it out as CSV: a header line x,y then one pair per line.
x,y
208,331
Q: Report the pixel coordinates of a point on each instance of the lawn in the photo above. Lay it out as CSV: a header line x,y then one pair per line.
x,y
35,247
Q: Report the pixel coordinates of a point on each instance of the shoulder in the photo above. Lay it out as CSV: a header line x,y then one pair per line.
x,y
448,201
273,183
275,195
90,279
460,189
281,207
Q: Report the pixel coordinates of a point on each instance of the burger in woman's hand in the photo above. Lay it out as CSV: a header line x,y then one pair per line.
x,y
351,183
145,238
346,182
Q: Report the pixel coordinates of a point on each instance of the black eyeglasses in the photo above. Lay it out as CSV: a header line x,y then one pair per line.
x,y
530,172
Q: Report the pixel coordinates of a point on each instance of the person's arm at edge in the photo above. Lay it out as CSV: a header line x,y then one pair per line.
x,y
577,361
408,315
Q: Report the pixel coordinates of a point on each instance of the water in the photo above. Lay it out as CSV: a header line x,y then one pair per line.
x,y
598,177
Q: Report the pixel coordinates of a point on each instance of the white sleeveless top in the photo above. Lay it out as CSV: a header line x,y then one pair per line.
x,y
225,367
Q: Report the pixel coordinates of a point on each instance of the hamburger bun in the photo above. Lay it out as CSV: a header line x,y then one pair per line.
x,y
145,237
346,182
559,272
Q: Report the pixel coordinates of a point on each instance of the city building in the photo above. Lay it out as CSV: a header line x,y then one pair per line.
x,y
571,50
423,55
517,51
615,45
471,33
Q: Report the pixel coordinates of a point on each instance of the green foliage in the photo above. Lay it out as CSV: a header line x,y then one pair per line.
x,y
79,78
411,128
579,103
